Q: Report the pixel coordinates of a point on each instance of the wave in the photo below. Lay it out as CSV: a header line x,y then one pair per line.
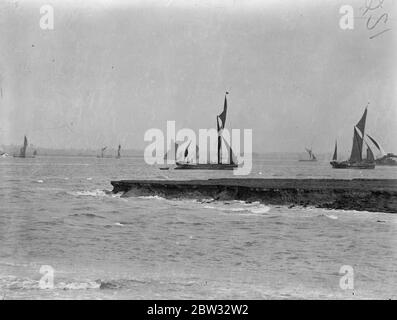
x,y
118,284
88,215
253,208
14,283
95,193
151,197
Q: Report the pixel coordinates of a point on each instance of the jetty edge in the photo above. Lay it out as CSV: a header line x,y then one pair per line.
x,y
375,195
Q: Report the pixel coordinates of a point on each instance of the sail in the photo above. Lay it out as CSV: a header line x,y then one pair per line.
x,y
220,125
377,145
356,154
186,153
231,153
173,150
197,154
222,116
309,152
118,152
219,140
361,124
361,127
370,155
335,156
23,149
103,151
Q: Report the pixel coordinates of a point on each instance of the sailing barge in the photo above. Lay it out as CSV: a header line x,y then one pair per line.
x,y
22,151
356,161
312,157
220,123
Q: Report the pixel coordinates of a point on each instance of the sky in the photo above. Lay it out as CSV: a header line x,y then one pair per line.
x,y
111,70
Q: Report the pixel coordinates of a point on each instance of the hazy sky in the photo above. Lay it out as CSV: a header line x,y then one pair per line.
x,y
110,70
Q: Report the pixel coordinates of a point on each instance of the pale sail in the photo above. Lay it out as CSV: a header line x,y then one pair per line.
x,y
377,145
309,151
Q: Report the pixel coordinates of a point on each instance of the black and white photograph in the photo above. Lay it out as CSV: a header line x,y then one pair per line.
x,y
201,150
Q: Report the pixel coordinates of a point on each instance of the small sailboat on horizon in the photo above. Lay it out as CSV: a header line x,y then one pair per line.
x,y
356,160
312,157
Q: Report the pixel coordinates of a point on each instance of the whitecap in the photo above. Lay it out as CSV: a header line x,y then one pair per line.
x,y
151,197
94,193
260,209
331,216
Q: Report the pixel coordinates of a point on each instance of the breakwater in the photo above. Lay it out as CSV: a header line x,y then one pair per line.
x,y
357,194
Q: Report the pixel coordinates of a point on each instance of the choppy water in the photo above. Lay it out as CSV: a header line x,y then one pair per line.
x,y
56,211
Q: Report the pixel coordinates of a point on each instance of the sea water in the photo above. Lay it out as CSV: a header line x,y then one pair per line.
x,y
63,235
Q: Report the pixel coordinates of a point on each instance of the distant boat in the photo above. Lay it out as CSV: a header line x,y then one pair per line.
x,y
102,155
220,122
385,159
118,152
312,157
171,154
356,160
22,151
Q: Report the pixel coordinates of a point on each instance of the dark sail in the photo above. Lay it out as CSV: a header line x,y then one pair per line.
x,y
186,153
222,116
335,156
197,154
171,154
220,126
219,139
103,151
356,154
361,124
370,155
118,152
361,127
231,154
23,149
